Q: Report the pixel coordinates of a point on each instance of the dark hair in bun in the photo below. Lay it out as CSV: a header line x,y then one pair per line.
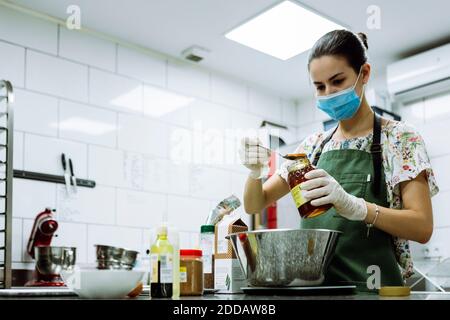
x,y
351,46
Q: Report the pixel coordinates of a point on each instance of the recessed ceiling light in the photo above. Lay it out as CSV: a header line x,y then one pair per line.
x,y
283,31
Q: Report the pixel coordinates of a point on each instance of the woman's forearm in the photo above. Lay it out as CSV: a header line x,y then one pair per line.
x,y
403,223
254,197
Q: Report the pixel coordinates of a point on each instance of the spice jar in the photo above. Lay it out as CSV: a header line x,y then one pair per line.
x,y
296,176
207,246
191,272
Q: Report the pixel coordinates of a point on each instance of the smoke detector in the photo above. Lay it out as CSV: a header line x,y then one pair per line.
x,y
195,53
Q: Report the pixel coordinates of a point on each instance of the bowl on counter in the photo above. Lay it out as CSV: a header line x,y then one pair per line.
x,y
284,257
51,260
102,284
115,258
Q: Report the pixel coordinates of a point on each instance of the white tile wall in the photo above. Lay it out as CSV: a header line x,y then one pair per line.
x,y
437,107
189,213
165,105
441,170
150,69
441,209
28,31
306,111
140,209
87,49
43,154
56,76
188,79
265,105
35,113
106,166
115,92
87,124
18,150
32,197
210,183
96,205
13,67
154,135
17,240
232,93
413,113
116,113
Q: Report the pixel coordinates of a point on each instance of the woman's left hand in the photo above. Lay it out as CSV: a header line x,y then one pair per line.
x,y
323,189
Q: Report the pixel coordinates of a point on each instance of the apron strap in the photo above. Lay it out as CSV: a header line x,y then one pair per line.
x,y
375,150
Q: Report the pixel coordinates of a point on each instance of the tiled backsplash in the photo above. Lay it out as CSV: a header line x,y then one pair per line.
x,y
116,113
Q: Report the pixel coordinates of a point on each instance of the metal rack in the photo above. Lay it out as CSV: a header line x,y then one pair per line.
x,y
6,179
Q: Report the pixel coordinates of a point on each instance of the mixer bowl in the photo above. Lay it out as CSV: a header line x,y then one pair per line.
x,y
284,257
52,260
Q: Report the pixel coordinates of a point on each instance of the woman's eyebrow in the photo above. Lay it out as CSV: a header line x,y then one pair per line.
x,y
337,74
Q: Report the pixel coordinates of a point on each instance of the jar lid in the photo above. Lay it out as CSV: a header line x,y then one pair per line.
x,y
191,252
393,291
207,228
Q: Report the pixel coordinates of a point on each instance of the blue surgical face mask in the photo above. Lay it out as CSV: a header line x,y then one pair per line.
x,y
341,105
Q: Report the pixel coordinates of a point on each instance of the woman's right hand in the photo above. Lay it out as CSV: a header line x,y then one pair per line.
x,y
253,156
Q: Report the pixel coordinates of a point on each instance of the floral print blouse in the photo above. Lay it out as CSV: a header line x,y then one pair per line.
x,y
404,158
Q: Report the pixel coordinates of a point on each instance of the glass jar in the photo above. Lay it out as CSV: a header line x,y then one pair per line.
x,y
207,246
191,272
296,176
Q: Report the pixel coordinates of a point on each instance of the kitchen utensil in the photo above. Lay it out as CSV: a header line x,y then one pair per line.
x,y
72,176
110,257
288,156
284,257
102,284
44,227
51,260
66,173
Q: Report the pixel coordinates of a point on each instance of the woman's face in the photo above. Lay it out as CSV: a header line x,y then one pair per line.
x,y
331,74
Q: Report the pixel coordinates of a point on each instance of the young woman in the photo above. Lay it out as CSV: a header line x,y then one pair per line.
x,y
374,171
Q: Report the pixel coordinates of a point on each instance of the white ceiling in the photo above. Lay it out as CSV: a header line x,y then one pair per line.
x,y
170,26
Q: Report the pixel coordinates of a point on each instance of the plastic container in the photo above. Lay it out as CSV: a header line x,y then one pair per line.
x,y
207,246
191,272
296,176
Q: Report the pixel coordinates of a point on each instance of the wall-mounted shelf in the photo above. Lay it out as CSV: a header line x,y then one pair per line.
x,y
51,178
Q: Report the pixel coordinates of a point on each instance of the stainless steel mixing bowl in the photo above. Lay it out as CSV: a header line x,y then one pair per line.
x,y
51,260
285,257
110,257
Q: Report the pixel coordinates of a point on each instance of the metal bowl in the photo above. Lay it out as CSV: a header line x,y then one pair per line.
x,y
284,257
116,258
51,260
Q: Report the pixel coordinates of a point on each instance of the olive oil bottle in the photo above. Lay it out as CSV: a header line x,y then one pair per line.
x,y
161,274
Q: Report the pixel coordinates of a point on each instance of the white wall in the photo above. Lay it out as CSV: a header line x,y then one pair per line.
x,y
113,111
431,116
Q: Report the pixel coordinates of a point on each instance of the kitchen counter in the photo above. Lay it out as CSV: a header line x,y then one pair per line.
x,y
244,297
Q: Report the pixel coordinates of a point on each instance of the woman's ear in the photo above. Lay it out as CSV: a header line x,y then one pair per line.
x,y
365,70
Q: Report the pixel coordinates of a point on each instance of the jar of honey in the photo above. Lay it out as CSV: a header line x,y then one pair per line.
x,y
296,176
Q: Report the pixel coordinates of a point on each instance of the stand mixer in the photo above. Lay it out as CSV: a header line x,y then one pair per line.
x,y
50,260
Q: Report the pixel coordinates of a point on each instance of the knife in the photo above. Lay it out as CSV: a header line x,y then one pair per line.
x,y
66,173
72,176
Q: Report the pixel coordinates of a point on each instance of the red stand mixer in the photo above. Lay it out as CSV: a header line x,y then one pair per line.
x,y
50,260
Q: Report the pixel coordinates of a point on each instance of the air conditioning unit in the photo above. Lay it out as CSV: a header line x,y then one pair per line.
x,y
420,75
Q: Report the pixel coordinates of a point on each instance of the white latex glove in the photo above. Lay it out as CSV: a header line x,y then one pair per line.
x,y
323,189
253,157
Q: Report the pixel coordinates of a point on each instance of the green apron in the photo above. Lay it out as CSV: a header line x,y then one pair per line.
x,y
355,251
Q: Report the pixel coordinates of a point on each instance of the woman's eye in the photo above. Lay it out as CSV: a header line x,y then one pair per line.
x,y
320,88
338,82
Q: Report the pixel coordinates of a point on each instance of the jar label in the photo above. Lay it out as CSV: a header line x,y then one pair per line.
x,y
183,274
296,193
